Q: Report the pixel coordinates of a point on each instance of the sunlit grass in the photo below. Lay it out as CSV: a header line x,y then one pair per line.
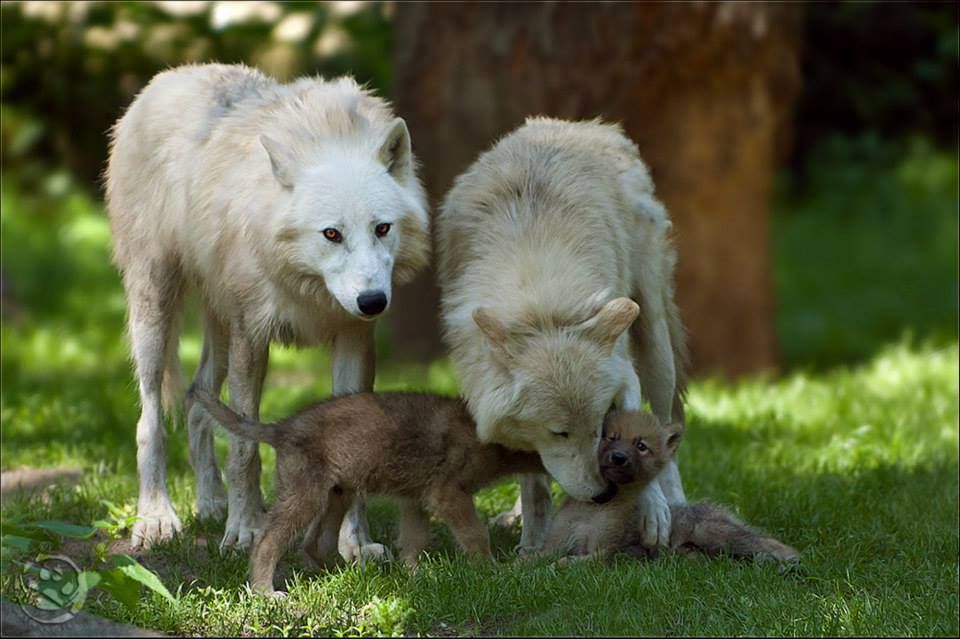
x,y
851,455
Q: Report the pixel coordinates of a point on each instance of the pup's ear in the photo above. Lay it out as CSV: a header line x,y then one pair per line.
x,y
495,332
395,153
611,321
281,161
674,432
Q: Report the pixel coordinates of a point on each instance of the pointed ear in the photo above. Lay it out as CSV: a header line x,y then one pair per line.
x,y
611,320
281,161
395,150
674,432
494,330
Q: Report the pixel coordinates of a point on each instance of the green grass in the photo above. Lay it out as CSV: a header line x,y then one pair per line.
x,y
851,455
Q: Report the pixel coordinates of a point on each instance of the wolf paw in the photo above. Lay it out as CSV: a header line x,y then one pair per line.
x,y
241,532
157,523
377,553
655,517
508,518
212,502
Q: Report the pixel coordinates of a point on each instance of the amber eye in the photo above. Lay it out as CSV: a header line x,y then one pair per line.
x,y
642,447
382,229
333,235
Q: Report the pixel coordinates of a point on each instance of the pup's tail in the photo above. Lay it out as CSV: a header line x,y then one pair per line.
x,y
712,530
232,420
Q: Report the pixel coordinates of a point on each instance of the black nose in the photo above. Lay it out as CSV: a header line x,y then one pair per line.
x,y
617,458
372,302
609,493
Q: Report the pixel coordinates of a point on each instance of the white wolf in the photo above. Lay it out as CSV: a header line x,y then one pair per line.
x,y
293,209
543,245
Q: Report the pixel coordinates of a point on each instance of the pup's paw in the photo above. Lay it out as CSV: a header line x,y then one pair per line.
x,y
156,523
655,517
241,531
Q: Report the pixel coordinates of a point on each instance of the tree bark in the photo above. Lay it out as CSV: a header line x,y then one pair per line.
x,y
705,90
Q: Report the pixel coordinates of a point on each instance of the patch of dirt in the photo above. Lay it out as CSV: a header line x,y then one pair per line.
x,y
36,480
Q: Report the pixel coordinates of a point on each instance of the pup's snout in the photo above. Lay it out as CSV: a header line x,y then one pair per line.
x,y
609,493
371,302
617,458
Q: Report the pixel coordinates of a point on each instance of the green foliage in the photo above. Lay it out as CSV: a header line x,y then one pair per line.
x,y
66,589
865,248
95,57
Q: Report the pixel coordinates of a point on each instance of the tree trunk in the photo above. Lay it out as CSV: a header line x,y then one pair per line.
x,y
705,90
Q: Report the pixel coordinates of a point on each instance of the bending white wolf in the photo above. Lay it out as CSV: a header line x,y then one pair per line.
x,y
293,209
543,246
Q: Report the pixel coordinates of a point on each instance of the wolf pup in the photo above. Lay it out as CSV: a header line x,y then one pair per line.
x,y
556,269
634,450
420,448
293,210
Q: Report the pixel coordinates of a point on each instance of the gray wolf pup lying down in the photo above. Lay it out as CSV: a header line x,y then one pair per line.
x,y
420,448
634,450
292,210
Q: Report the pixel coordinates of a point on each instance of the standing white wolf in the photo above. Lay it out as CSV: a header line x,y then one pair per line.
x,y
293,209
549,247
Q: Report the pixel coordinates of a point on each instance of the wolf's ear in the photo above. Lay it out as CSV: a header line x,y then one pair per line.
x,y
395,150
281,161
674,432
611,321
495,332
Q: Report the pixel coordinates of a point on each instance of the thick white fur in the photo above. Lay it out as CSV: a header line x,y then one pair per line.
x,y
542,244
224,179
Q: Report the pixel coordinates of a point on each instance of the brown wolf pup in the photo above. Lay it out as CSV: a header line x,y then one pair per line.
x,y
634,450
420,448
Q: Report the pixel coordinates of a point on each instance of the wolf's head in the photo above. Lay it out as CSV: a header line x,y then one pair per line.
x,y
354,220
636,447
562,381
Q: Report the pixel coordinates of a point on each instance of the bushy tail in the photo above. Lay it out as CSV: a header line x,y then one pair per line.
x,y
231,420
712,530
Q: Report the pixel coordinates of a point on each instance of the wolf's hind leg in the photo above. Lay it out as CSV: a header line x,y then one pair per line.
x,y
211,495
153,297
246,370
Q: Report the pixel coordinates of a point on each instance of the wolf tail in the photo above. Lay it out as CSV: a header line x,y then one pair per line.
x,y
231,420
712,530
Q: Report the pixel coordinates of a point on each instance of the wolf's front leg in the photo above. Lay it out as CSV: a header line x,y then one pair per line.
x,y
536,503
354,364
654,514
246,370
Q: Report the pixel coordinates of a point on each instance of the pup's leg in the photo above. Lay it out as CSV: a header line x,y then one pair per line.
x,y
320,542
713,531
247,367
414,534
153,296
456,508
536,502
287,517
354,362
211,495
